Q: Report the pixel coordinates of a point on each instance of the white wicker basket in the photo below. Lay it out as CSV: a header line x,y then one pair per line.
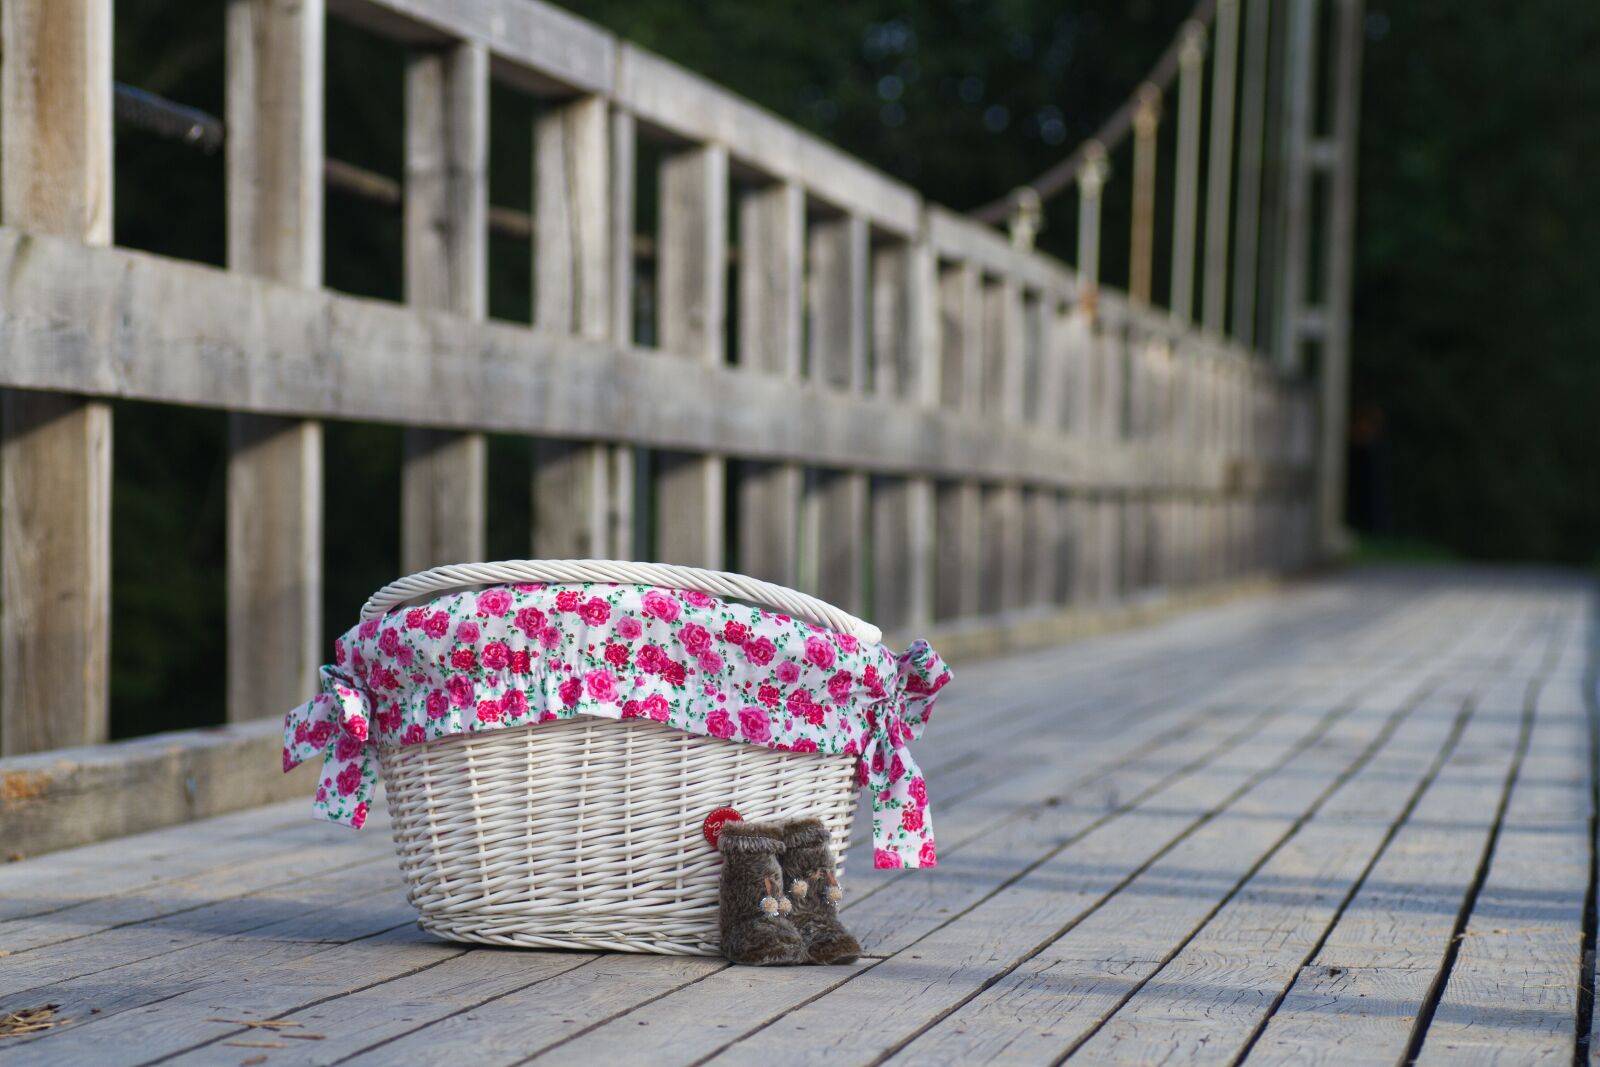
x,y
586,833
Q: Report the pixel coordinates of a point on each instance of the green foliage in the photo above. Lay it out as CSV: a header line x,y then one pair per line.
x,y
1478,268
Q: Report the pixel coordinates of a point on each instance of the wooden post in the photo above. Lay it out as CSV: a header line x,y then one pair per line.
x,y
274,113
921,386
55,450
1043,405
621,538
572,294
771,324
1091,185
1299,71
1334,417
1122,355
1101,354
691,273
1219,181
1003,357
1135,502
901,507
446,267
1186,185
1141,256
836,501
1247,213
958,505
1068,348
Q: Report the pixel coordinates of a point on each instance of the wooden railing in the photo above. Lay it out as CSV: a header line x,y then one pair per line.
x,y
919,420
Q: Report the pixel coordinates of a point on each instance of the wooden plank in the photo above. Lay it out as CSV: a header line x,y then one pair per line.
x,y
1001,376
367,1018
771,325
836,500
144,962
691,276
67,879
1047,555
1002,541
1219,177
572,265
1206,1003
1247,210
1358,1000
1333,371
442,509
1298,110
71,796
690,107
959,338
958,959
903,335
1512,995
257,347
274,505
625,537
55,451
1047,1006
259,981
956,237
274,861
958,526
539,46
573,269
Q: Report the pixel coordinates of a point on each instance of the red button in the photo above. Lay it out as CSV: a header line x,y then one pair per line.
x,y
712,827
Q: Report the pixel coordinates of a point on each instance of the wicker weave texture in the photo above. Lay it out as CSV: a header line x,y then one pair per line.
x,y
586,833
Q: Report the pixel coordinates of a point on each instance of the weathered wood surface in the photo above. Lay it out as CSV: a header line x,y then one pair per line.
x,y
55,451
275,75
1350,823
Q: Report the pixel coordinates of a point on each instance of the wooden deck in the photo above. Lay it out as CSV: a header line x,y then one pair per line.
x,y
1351,823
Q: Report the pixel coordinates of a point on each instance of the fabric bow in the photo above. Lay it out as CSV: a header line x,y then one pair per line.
x,y
902,826
335,724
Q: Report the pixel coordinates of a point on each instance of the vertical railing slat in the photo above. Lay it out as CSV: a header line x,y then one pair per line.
x,y
274,166
1002,547
1186,184
836,501
1335,369
958,504
896,342
691,271
1252,126
55,450
572,260
1219,183
446,267
771,327
1142,226
622,536
1296,180
1043,382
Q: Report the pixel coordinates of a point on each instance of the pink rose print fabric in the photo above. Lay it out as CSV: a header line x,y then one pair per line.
x,y
509,656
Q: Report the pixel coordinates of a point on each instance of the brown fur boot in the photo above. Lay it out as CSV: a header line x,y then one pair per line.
x,y
754,912
813,888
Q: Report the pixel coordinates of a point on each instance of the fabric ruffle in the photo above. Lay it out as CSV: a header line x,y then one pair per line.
x,y
509,656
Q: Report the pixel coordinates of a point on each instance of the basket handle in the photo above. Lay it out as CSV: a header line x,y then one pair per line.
x,y
668,576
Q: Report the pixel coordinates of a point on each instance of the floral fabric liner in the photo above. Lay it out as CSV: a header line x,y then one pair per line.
x,y
511,655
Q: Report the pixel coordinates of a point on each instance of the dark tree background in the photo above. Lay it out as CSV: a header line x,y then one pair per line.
x,y
1477,338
